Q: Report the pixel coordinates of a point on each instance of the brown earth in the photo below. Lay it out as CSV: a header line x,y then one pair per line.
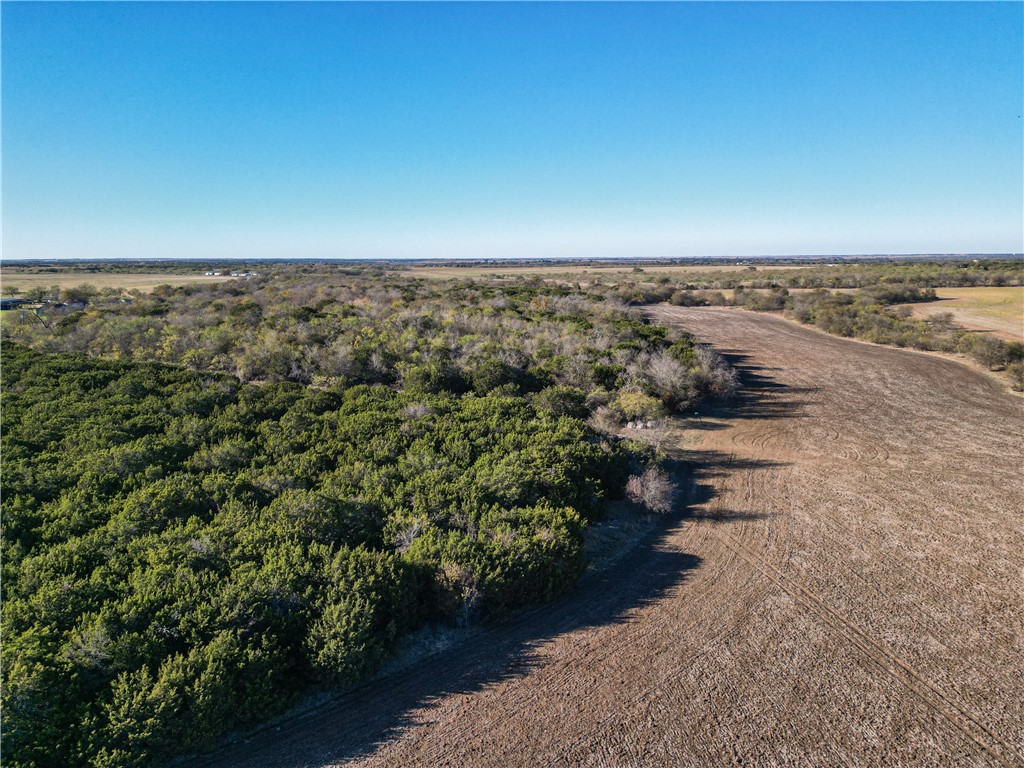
x,y
845,589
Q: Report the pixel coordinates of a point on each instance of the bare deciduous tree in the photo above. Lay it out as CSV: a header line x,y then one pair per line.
x,y
653,490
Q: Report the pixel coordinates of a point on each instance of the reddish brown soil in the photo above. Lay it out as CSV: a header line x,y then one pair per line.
x,y
846,589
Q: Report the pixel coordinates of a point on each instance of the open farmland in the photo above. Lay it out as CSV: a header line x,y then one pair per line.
x,y
128,281
998,310
843,590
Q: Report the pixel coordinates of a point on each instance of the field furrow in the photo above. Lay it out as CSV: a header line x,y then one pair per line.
x,y
843,589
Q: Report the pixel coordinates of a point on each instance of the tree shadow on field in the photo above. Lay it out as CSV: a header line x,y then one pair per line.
x,y
698,469
760,397
358,723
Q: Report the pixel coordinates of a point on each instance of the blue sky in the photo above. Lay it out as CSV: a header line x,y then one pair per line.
x,y
510,130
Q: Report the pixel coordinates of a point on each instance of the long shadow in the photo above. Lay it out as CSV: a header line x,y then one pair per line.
x,y
357,723
761,396
699,468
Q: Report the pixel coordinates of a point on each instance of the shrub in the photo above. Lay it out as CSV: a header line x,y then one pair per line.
x,y
562,401
604,419
1016,371
989,351
432,378
652,490
670,380
630,406
492,374
687,298
366,605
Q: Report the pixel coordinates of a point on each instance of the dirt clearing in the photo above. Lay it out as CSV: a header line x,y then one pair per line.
x,y
845,589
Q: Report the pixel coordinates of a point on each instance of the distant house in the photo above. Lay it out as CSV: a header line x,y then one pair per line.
x,y
70,306
12,303
208,274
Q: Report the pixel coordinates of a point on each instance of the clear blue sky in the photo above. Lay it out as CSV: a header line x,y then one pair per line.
x,y
532,130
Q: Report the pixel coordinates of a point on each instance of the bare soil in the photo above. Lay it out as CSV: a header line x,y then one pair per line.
x,y
845,588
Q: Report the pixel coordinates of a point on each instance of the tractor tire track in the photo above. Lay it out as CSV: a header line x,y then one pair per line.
x,y
844,589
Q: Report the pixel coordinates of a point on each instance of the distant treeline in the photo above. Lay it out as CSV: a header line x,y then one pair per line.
x,y
129,266
863,311
184,266
643,289
867,314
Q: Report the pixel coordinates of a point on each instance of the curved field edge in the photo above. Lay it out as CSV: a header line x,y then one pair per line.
x,y
998,377
843,591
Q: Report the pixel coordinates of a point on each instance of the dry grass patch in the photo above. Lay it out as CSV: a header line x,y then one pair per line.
x,y
141,281
998,310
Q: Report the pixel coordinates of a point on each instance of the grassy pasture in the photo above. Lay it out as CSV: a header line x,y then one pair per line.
x,y
141,281
999,310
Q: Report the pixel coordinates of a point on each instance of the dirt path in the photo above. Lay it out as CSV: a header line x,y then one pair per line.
x,y
847,589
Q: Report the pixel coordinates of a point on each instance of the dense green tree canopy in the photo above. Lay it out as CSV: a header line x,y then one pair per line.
x,y
184,553
215,497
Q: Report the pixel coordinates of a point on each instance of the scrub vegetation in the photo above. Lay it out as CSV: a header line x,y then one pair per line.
x,y
880,314
217,497
873,302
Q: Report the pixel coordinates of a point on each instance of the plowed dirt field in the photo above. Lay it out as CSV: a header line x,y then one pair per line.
x,y
846,588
